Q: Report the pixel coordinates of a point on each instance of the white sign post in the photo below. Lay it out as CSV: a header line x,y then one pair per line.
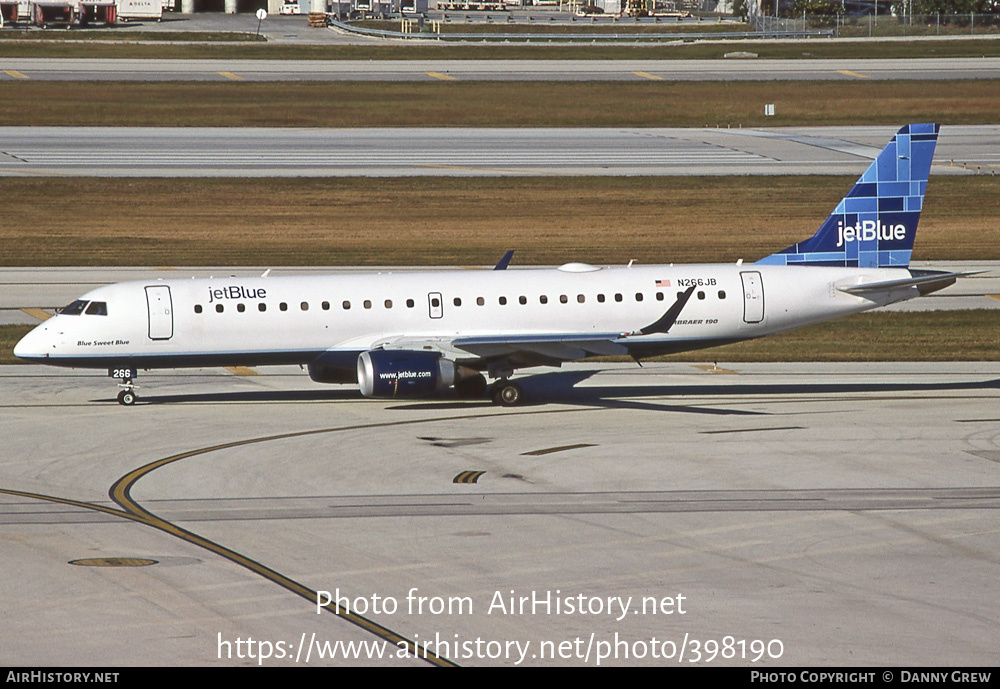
x,y
261,16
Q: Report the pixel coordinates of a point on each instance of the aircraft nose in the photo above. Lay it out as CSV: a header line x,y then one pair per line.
x,y
33,345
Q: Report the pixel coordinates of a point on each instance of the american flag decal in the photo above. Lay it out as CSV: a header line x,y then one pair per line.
x,y
663,283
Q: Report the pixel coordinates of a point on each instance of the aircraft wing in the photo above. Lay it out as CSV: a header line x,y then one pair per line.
x,y
519,350
536,349
551,347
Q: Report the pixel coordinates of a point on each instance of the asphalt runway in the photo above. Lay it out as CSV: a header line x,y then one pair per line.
x,y
819,514
224,70
249,152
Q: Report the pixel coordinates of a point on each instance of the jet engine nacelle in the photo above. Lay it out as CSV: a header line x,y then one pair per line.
x,y
321,373
334,367
404,373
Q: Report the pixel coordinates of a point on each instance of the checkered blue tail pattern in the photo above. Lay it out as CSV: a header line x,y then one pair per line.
x,y
875,224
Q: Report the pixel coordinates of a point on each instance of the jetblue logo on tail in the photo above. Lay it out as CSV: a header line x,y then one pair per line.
x,y
874,225
869,230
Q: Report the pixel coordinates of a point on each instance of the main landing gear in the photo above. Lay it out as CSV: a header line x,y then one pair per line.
x,y
501,392
506,393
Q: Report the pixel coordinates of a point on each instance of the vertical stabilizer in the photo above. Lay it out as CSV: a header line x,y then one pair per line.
x,y
875,224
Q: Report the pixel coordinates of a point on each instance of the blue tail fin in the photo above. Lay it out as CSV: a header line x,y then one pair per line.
x,y
875,224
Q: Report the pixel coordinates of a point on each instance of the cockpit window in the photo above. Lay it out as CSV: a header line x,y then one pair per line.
x,y
74,309
97,308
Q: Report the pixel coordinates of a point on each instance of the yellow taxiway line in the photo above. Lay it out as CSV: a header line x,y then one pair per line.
x,y
40,314
715,369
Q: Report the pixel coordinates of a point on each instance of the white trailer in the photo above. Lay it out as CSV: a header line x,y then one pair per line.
x,y
140,9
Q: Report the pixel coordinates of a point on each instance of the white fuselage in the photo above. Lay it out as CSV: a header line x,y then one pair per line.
x,y
232,321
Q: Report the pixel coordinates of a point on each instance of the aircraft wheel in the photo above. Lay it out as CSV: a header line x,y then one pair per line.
x,y
126,398
508,394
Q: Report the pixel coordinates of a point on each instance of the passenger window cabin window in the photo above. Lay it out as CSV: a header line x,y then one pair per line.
x,y
522,300
241,307
347,305
580,298
325,305
458,301
480,301
659,296
305,306
197,308
218,308
74,309
435,302
283,306
563,299
503,301
722,294
600,298
409,303
701,295
618,296
97,308
262,307
388,303
367,303
543,299
638,296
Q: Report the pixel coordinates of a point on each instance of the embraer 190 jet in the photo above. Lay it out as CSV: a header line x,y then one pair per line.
x,y
408,334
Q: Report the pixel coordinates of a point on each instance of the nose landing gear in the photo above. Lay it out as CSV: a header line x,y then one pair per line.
x,y
127,396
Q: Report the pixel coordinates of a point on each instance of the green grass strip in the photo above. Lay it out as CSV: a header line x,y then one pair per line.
x,y
455,221
474,104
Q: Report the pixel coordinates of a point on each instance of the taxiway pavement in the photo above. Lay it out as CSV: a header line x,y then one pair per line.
x,y
841,514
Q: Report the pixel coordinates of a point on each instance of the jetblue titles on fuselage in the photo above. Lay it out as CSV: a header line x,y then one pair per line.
x,y
235,292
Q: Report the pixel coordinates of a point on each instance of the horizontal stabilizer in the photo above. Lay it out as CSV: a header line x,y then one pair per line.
x,y
925,281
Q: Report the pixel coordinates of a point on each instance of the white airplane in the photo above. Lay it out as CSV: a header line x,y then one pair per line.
x,y
407,334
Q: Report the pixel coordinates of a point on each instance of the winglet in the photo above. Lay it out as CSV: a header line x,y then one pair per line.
x,y
505,261
666,321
